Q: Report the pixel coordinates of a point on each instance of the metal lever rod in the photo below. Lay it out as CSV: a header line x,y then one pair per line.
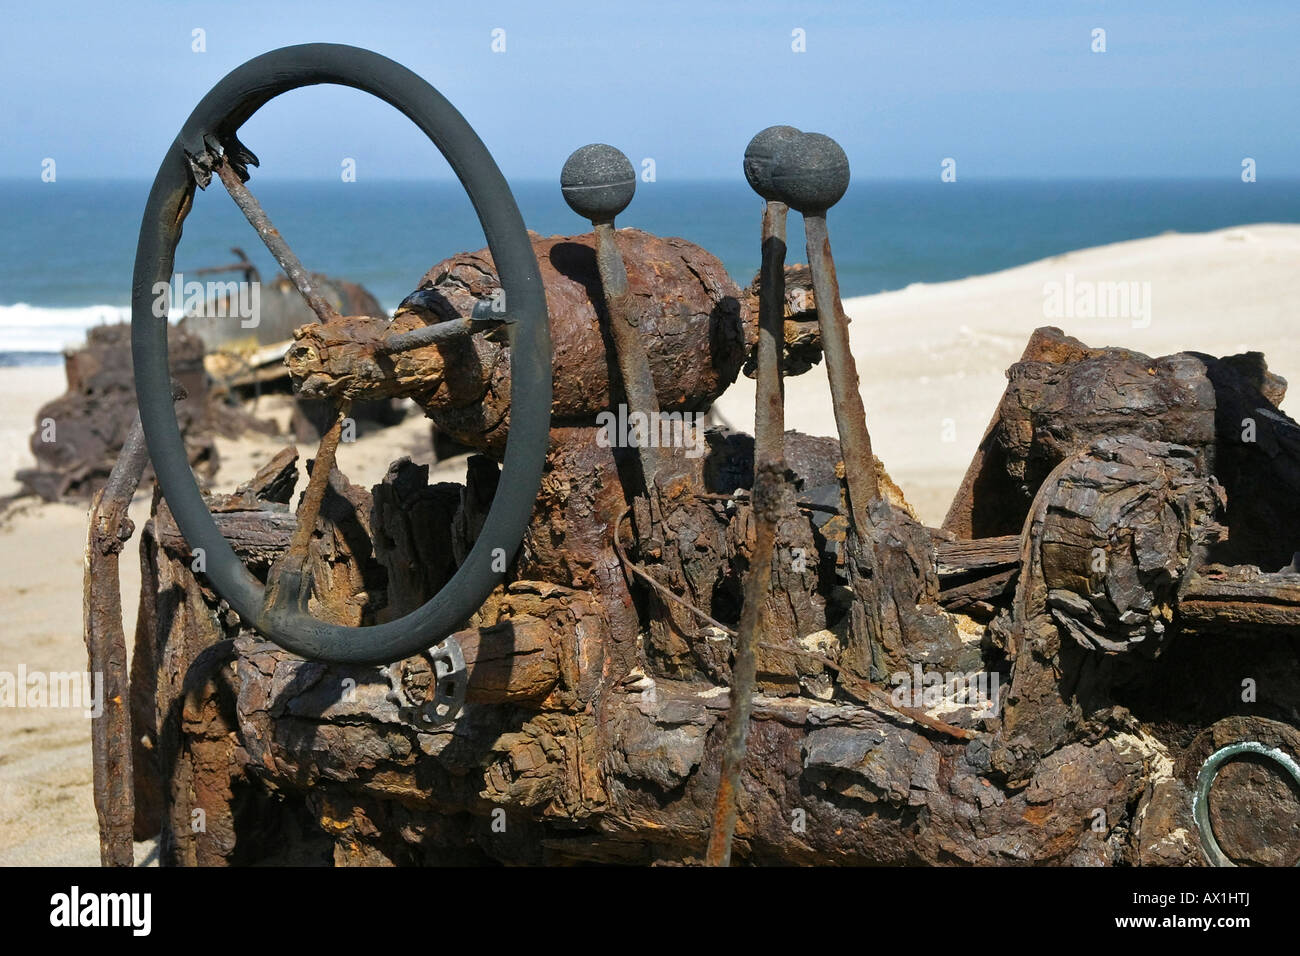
x,y
811,173
769,484
598,182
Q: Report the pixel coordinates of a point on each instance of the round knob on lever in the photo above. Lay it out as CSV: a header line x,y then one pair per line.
x,y
759,156
598,182
810,173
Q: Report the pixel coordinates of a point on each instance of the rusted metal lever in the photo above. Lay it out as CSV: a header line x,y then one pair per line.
x,y
288,585
810,174
769,410
598,182
483,319
769,482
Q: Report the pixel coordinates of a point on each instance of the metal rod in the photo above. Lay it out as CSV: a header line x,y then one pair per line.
x,y
286,584
428,335
314,496
275,242
769,480
769,410
110,732
633,360
842,371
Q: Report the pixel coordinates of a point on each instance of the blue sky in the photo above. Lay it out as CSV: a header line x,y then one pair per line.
x,y
1007,89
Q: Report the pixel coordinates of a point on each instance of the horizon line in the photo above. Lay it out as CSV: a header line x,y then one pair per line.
x,y
703,180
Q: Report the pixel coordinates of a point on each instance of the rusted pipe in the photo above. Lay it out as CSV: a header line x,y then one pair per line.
x,y
769,483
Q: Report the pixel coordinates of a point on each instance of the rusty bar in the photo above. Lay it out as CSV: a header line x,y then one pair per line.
x,y
314,496
769,480
842,371
285,581
769,410
110,731
428,335
633,361
275,242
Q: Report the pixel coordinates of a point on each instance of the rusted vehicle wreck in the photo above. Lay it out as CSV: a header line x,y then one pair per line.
x,y
708,647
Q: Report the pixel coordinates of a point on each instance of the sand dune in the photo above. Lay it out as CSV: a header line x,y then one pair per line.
x,y
932,361
932,358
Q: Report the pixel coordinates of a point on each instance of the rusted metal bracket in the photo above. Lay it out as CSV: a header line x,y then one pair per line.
x,y
110,732
105,637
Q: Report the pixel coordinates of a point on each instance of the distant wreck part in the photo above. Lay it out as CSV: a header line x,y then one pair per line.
x,y
79,434
222,325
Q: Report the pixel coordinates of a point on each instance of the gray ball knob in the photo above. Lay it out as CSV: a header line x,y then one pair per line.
x,y
810,173
598,182
759,155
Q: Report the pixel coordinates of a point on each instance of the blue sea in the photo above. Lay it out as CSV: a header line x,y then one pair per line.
x,y
66,248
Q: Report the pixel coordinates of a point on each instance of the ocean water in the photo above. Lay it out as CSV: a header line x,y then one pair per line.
x,y
66,248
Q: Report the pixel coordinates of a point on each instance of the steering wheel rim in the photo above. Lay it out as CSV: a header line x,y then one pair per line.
x,y
220,114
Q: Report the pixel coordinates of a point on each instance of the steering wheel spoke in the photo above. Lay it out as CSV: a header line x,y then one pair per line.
x,y
230,175
289,579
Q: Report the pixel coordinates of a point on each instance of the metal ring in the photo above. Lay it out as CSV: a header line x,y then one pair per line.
x,y
1205,779
219,115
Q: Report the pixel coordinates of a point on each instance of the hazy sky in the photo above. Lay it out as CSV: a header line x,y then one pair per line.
x,y
1185,88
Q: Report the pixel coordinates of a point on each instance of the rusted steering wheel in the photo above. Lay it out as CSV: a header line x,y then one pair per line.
x,y
208,145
